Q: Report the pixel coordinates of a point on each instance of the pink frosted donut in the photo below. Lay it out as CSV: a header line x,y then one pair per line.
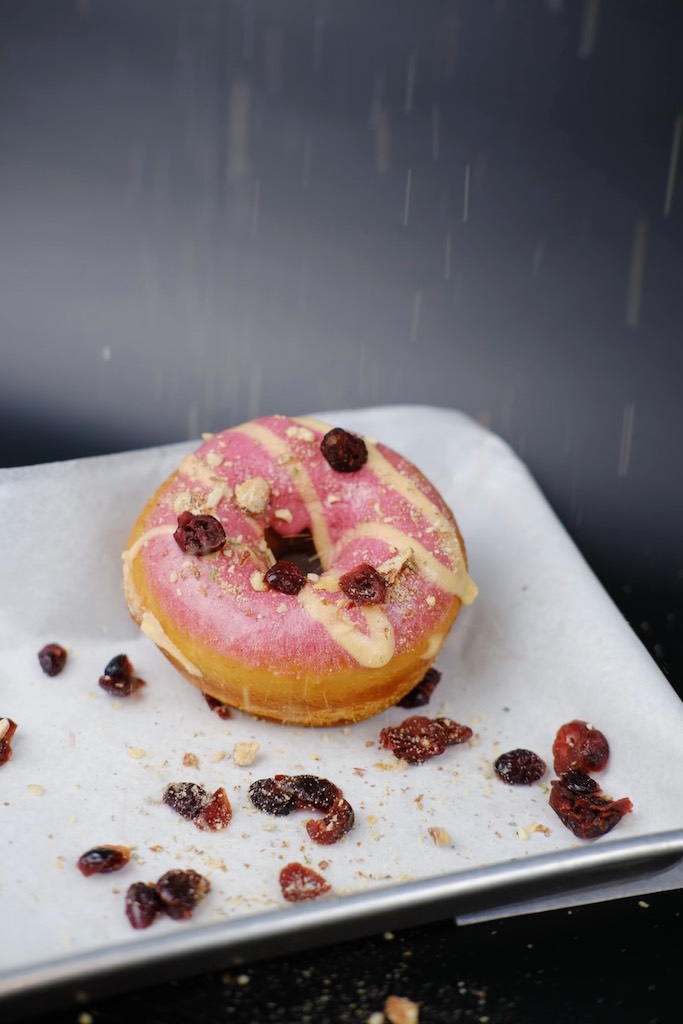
x,y
204,574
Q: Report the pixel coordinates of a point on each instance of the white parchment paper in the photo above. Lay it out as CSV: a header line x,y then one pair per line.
x,y
542,644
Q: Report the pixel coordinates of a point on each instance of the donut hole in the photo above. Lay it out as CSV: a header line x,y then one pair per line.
x,y
299,549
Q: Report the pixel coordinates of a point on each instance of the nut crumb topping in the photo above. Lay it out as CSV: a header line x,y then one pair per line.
x,y
253,495
257,581
284,513
300,434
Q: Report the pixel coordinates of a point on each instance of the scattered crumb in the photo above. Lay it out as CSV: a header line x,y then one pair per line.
x,y
190,761
431,600
243,979
136,752
643,904
35,790
401,1011
218,756
243,753
440,836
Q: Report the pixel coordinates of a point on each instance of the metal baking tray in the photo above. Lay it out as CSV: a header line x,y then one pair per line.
x,y
542,644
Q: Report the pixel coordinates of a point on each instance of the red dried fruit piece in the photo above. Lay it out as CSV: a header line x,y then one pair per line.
x,y
119,677
578,745
222,710
186,798
286,793
422,693
519,767
52,658
180,892
301,883
285,576
199,535
364,585
345,452
101,860
588,815
142,904
7,731
216,814
579,782
455,732
415,740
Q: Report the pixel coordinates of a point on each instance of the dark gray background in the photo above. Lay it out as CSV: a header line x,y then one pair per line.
x,y
214,210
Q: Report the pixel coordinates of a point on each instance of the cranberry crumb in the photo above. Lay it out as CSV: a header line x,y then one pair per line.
x,y
299,882
585,810
222,710
415,740
216,814
364,585
285,576
101,860
199,535
519,767
421,693
186,798
345,452
286,793
143,904
180,892
7,731
578,745
119,677
52,658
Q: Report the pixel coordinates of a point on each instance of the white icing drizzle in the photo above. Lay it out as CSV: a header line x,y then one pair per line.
x,y
152,628
278,448
154,531
453,581
372,649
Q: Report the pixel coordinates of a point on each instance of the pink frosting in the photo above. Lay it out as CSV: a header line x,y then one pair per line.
x,y
213,598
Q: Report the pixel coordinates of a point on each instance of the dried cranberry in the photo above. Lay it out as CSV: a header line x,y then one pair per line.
x,y
579,781
101,860
285,576
7,731
587,815
180,892
415,740
520,767
455,732
216,814
187,798
199,535
364,585
345,452
269,796
119,677
299,882
222,710
578,745
422,693
142,904
119,666
286,793
52,658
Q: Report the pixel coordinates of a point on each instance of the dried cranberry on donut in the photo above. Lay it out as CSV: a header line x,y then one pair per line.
x,y
285,576
345,452
364,585
199,535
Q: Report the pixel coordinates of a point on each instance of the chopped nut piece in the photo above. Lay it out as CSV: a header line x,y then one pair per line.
x,y
402,1011
300,434
253,495
35,790
440,836
257,581
214,459
244,752
394,566
190,760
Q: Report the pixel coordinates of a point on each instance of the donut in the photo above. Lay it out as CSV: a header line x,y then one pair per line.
x,y
297,571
